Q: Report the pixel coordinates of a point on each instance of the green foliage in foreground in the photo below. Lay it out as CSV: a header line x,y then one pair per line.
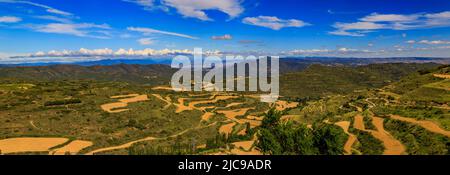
x,y
278,138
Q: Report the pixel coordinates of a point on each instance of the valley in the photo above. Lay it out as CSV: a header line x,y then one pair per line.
x,y
391,109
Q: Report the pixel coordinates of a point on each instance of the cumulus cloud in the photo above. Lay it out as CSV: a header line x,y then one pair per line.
x,y
46,7
111,53
194,8
9,19
224,37
375,21
273,22
149,31
76,29
70,56
146,41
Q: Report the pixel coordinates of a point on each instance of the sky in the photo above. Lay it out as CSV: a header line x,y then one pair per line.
x,y
61,30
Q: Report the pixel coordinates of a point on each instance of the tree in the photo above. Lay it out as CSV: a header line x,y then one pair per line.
x,y
329,139
280,138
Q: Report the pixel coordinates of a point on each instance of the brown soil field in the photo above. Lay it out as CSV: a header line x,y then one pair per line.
x,y
358,122
351,138
216,99
232,114
73,147
29,144
131,98
134,99
242,132
252,117
428,125
253,123
227,128
281,105
111,106
206,116
446,76
181,107
246,145
392,145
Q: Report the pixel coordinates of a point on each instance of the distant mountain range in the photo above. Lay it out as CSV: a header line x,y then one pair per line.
x,y
291,62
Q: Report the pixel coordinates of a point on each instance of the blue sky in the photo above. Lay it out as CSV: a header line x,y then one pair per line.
x,y
359,28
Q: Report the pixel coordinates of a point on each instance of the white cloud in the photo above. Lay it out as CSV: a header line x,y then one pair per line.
x,y
428,42
146,41
149,31
47,8
80,29
54,18
358,26
109,52
224,37
342,51
194,8
433,42
145,3
345,33
9,19
375,21
273,22
375,17
70,56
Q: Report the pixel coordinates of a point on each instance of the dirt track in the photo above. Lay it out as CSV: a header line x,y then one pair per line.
x,y
128,144
167,100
